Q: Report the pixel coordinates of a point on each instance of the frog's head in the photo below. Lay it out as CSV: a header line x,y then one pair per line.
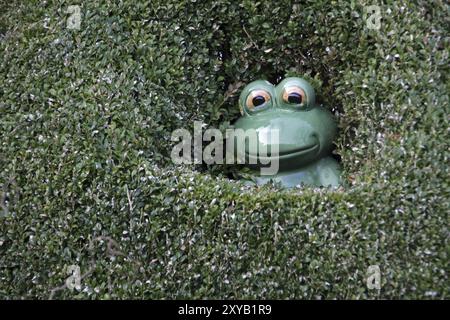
x,y
306,130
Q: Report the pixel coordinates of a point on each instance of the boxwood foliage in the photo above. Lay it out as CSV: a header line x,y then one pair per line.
x,y
86,119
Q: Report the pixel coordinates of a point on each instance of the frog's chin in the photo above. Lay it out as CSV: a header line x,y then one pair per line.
x,y
300,156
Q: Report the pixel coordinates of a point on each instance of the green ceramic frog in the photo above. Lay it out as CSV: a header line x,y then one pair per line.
x,y
305,132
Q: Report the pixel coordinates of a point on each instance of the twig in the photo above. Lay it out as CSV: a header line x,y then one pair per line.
x,y
64,286
232,89
111,243
130,201
250,37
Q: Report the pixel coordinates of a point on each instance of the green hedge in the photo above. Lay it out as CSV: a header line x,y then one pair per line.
x,y
86,118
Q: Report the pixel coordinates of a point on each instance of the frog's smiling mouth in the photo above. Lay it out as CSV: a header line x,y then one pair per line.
x,y
285,154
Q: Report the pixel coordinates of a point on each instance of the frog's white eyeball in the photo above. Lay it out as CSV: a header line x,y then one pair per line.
x,y
257,98
294,95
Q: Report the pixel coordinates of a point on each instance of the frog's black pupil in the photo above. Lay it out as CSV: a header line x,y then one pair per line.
x,y
295,97
258,100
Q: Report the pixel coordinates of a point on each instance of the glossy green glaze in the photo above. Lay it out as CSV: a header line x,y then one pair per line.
x,y
306,132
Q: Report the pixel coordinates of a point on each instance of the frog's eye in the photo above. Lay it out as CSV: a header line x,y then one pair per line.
x,y
257,99
294,95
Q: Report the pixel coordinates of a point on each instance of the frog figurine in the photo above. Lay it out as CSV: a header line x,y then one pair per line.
x,y
305,133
